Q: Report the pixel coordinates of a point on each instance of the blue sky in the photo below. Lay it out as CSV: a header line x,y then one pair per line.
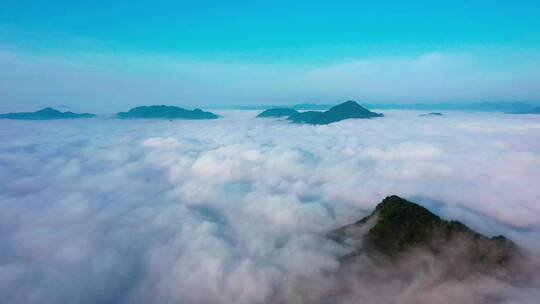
x,y
241,52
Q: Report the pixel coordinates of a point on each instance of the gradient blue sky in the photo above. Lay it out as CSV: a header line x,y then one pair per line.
x,y
100,54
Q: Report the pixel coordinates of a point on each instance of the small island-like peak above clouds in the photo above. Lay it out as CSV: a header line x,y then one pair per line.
x,y
347,110
45,114
165,112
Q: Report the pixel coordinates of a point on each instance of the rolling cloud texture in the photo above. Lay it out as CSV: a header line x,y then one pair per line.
x,y
236,210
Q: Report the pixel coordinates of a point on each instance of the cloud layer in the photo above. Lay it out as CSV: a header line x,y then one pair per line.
x,y
235,210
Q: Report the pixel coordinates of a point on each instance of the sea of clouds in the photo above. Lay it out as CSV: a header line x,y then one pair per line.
x,y
235,210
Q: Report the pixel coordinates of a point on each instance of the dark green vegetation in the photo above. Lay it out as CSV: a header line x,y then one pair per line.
x,y
278,112
45,114
397,226
527,111
432,114
346,110
166,112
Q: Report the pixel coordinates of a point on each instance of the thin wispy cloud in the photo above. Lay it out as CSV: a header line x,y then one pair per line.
x,y
116,82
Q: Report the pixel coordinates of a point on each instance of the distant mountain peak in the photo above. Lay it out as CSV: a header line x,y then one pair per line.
x,y
48,110
277,112
45,114
165,112
348,103
345,110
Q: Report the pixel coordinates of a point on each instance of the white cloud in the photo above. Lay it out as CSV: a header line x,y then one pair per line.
x,y
235,210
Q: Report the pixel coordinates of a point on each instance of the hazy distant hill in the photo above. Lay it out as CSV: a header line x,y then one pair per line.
x,y
477,106
448,106
45,114
166,112
527,111
431,114
301,106
277,112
